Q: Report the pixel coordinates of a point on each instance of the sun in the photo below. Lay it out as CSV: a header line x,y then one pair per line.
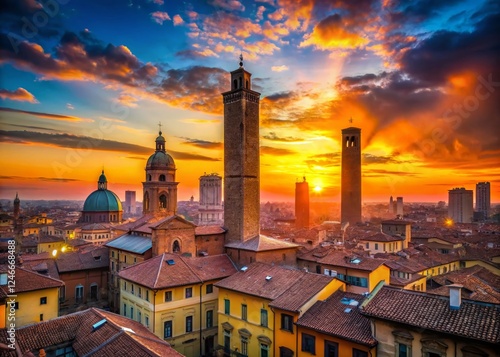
x,y
318,189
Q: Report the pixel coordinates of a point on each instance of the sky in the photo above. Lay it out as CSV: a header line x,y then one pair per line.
x,y
84,85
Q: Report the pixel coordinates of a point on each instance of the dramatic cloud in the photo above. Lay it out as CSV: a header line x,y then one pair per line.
x,y
268,150
178,20
273,137
159,17
279,68
88,143
20,94
203,144
231,5
51,116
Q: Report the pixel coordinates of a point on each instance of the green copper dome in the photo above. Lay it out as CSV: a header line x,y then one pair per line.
x,y
102,201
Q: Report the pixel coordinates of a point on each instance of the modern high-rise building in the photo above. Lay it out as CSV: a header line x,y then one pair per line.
x,y
130,203
160,188
460,205
399,206
241,158
483,200
302,204
350,210
210,208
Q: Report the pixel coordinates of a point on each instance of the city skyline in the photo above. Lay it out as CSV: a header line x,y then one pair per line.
x,y
86,84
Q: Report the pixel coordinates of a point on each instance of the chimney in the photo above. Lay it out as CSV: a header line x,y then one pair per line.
x,y
455,296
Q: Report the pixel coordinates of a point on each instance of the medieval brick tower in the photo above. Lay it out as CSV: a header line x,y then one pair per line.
x,y
302,204
350,209
241,158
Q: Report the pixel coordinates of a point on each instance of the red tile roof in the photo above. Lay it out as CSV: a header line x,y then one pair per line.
x,y
473,320
119,336
262,243
157,273
288,289
330,317
382,237
341,258
97,258
208,230
27,280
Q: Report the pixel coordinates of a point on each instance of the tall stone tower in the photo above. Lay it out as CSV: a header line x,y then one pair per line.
x,y
160,188
241,158
17,207
350,209
302,204
210,208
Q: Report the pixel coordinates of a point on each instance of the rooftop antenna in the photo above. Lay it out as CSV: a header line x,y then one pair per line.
x,y
159,126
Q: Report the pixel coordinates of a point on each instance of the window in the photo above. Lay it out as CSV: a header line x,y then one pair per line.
x,y
287,322
140,292
367,245
403,340
264,350
210,288
263,317
146,321
244,346
210,318
331,349
139,316
112,254
16,305
79,293
93,291
147,295
244,312
227,306
65,352
112,266
227,341
189,323
357,281
132,289
43,300
41,317
131,312
376,246
403,350
285,352
189,292
168,296
359,353
308,343
125,285
167,329
124,309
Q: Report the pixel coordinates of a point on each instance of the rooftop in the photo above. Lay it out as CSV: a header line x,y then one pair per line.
x,y
261,243
472,320
382,237
342,258
27,280
331,317
131,243
97,258
77,330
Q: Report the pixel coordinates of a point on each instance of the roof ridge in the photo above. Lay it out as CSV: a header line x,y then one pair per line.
x,y
107,342
192,270
159,269
40,275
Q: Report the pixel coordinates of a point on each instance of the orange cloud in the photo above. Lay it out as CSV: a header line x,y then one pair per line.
x,y
178,20
20,94
159,17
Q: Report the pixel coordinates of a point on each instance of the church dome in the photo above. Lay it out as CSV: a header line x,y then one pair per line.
x,y
102,200
160,160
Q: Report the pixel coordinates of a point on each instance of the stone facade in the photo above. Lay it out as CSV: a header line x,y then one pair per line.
x,y
351,176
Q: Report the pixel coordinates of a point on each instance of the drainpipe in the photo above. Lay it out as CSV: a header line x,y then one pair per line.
x,y
201,317
154,309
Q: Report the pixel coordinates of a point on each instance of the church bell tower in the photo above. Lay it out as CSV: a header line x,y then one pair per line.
x,y
241,158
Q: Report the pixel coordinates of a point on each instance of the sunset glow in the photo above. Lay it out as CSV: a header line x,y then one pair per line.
x,y
87,90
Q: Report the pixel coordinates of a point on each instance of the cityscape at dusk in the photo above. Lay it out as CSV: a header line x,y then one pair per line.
x,y
84,85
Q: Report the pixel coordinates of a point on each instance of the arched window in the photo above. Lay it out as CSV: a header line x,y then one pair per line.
x,y
241,83
148,178
162,177
235,84
246,85
163,201
176,246
353,141
346,141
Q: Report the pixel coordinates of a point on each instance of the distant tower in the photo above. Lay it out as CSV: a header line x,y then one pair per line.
x,y
351,176
391,205
17,207
399,206
241,158
160,188
210,208
130,208
302,204
483,200
460,205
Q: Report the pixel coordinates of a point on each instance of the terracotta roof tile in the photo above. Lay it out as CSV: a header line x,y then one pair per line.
x,y
96,258
342,258
261,243
27,280
253,281
473,320
300,292
211,267
108,340
208,230
330,317
382,237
